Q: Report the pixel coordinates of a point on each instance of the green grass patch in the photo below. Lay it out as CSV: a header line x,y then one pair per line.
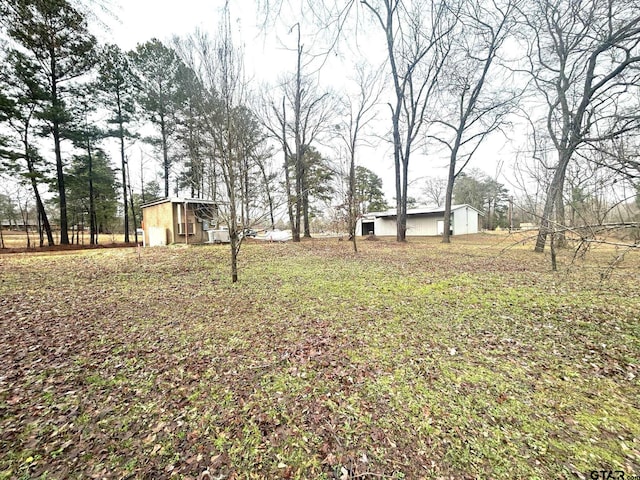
x,y
421,360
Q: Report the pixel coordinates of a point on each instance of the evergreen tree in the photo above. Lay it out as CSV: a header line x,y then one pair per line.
x,y
86,136
158,71
485,194
369,191
92,190
116,87
20,98
55,37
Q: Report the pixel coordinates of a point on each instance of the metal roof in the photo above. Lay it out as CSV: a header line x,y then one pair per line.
x,y
421,211
201,201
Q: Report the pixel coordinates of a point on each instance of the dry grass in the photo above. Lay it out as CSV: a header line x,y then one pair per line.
x,y
418,360
13,239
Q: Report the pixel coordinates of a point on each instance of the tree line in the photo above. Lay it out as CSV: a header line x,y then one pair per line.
x,y
455,73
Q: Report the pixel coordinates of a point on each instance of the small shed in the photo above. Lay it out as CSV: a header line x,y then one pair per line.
x,y
465,219
178,220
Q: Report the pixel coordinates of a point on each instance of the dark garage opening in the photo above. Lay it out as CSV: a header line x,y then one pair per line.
x,y
368,228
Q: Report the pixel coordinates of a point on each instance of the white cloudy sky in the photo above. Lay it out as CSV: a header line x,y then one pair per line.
x,y
266,57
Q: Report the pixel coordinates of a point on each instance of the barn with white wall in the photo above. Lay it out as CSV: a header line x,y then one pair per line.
x,y
465,219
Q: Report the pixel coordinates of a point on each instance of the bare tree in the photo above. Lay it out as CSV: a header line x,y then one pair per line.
x,y
218,66
418,43
582,59
473,105
434,189
360,112
298,119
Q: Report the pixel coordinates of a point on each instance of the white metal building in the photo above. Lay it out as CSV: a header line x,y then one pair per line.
x,y
421,221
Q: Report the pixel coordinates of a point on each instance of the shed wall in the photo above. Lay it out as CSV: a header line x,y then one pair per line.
x,y
422,225
165,216
385,226
198,235
159,216
465,221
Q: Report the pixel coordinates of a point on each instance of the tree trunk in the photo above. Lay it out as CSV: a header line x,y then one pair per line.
x,y
62,196
268,192
165,155
133,209
299,167
400,230
560,238
246,221
446,233
353,209
64,234
124,169
39,205
287,176
305,207
403,210
93,238
557,185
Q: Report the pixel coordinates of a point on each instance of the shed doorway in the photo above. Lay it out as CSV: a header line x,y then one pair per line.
x,y
368,228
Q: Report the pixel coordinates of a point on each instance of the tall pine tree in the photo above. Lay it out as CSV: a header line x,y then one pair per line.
x,y
55,36
115,84
158,72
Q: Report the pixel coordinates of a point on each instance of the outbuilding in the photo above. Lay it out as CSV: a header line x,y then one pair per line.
x,y
465,219
178,220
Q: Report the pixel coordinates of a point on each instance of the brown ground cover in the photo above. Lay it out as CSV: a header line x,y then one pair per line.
x,y
423,360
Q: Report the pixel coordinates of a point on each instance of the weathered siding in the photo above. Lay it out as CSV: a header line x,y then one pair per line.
x,y
198,235
158,216
165,215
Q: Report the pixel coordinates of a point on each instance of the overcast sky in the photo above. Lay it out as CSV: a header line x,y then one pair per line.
x,y
266,58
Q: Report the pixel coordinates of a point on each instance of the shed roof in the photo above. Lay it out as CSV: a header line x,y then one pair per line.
x,y
421,211
201,201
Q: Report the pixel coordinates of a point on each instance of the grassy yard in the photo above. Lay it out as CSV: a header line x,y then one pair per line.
x,y
469,360
16,239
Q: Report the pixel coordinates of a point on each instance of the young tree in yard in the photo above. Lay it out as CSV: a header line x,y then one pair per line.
x,y
583,60
230,86
360,112
218,67
55,37
473,106
116,87
158,72
417,36
21,99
